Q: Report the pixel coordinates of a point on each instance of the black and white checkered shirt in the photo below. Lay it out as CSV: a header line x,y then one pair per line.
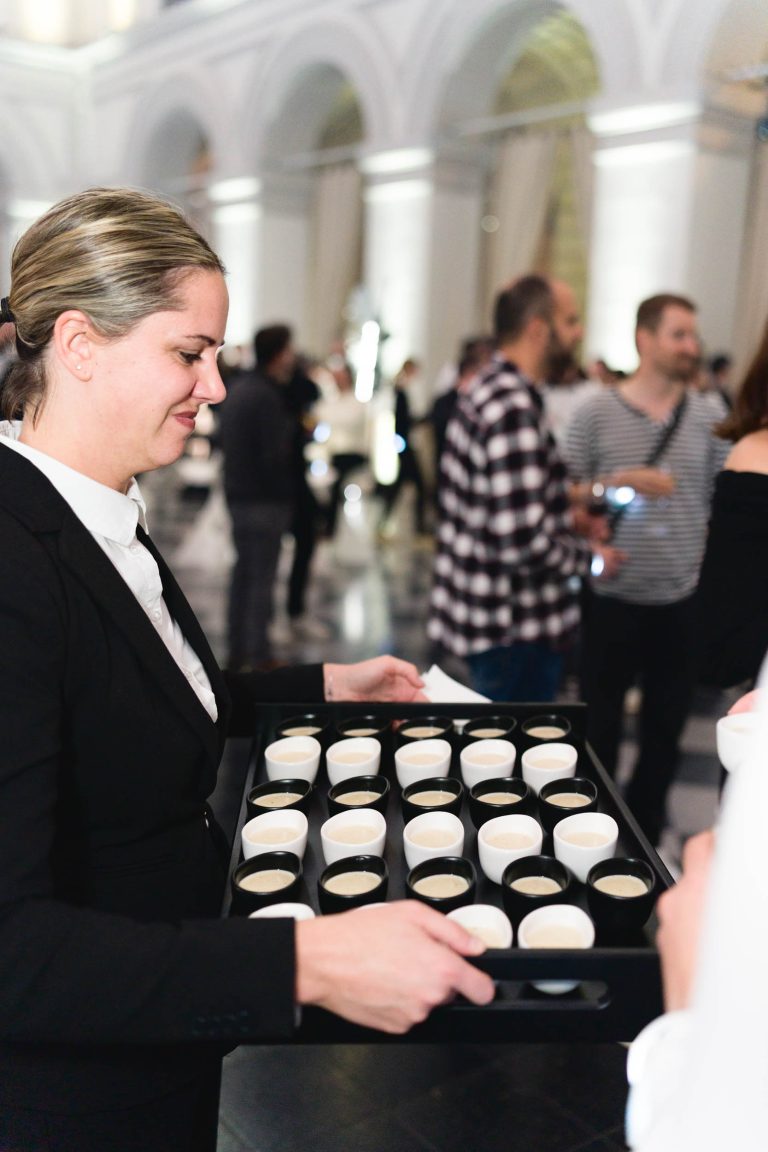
x,y
507,559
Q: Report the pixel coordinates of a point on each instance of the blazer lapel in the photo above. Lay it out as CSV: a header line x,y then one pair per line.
x,y
181,611
83,556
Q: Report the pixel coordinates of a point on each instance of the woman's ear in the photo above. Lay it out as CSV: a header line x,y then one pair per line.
x,y
73,341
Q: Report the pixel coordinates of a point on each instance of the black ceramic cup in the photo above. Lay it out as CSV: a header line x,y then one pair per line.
x,y
489,728
546,728
344,873
426,728
248,894
367,725
520,799
517,903
353,788
309,724
620,917
449,787
272,796
551,813
449,872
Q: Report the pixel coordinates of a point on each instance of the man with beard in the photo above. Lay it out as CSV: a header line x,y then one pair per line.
x,y
505,592
649,441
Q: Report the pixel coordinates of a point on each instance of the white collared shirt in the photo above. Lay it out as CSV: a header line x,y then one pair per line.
x,y
111,518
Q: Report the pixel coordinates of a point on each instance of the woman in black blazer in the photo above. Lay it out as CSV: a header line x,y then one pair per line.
x,y
119,987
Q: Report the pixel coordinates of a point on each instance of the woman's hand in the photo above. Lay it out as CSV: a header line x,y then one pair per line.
x,y
387,967
385,678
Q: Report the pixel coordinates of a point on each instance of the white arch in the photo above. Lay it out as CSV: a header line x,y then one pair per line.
x,y
466,34
345,43
182,94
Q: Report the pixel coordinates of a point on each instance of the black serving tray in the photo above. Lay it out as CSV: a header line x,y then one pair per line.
x,y
621,986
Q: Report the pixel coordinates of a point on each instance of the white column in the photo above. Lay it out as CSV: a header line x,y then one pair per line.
x,y
284,252
722,182
261,233
422,237
668,215
236,220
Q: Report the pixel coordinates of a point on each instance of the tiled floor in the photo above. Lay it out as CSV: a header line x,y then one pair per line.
x,y
403,1098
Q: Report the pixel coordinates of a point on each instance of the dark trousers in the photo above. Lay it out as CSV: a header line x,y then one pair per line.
x,y
409,473
343,463
304,529
257,532
651,644
521,671
184,1121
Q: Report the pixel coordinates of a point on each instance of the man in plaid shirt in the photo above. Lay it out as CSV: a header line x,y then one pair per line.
x,y
506,581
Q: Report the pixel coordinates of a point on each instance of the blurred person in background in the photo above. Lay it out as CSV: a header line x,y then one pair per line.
x,y
731,600
504,596
648,442
257,434
409,468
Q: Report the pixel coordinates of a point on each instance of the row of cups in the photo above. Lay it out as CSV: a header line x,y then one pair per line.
x,y
487,799
298,757
580,840
533,730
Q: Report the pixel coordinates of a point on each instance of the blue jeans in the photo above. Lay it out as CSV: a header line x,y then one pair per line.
x,y
525,671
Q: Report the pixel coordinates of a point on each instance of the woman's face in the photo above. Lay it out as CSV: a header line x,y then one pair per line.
x,y
148,386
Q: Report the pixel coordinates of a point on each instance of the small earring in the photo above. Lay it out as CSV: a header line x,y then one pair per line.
x,y
78,367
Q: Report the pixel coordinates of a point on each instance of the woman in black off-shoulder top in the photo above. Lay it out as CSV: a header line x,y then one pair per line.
x,y
732,597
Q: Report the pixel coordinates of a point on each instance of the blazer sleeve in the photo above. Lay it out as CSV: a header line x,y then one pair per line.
x,y
73,974
302,684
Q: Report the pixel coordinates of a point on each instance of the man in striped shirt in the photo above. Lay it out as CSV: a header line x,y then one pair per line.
x,y
505,592
638,622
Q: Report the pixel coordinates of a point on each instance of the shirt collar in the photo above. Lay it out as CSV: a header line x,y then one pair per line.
x,y
102,510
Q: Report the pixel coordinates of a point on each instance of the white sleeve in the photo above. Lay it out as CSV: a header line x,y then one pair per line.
x,y
655,1069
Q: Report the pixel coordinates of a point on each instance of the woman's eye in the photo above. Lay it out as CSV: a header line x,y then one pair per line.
x,y
190,357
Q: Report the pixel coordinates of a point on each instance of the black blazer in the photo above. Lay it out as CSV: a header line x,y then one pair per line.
x,y
113,984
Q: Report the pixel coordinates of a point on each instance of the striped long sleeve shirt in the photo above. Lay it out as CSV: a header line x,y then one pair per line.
x,y
663,538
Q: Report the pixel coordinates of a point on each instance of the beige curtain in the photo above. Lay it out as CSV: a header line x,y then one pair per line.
x,y
336,240
753,295
519,200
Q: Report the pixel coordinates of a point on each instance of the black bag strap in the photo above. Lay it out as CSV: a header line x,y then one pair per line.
x,y
657,451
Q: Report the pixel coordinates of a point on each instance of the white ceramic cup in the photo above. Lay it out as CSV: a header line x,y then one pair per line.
x,y
355,756
432,834
284,830
294,911
487,922
516,836
422,760
366,827
545,762
538,928
486,760
293,758
580,857
733,735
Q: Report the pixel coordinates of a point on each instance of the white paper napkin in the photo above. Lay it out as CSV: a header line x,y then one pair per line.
x,y
441,688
